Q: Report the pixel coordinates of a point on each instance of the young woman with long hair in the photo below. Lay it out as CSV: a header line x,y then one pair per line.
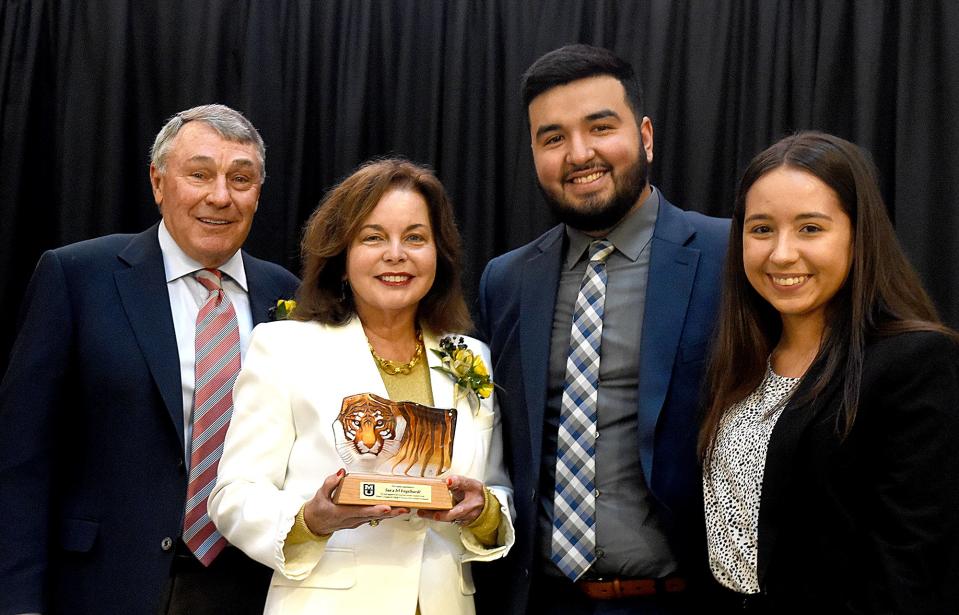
x,y
830,444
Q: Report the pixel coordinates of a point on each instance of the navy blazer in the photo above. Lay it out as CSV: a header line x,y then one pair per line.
x,y
516,300
869,524
92,473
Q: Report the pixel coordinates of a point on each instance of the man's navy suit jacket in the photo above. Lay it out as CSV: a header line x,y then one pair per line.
x,y
516,301
92,473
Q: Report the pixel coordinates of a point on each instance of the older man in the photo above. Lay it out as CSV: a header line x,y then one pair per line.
x,y
118,393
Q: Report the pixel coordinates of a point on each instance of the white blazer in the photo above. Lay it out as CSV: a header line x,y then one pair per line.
x,y
280,448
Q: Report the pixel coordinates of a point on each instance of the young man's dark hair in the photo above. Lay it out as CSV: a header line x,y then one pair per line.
x,y
579,61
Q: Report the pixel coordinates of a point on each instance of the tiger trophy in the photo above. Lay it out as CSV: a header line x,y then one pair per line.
x,y
374,434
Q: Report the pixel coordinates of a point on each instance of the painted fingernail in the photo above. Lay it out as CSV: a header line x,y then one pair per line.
x,y
340,472
449,482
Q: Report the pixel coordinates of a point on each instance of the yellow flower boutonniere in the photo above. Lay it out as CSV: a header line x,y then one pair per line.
x,y
468,371
283,309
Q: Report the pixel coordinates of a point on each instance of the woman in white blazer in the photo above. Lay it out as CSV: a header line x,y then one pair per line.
x,y
381,285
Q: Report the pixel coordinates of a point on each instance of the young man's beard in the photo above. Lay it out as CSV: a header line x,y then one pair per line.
x,y
599,215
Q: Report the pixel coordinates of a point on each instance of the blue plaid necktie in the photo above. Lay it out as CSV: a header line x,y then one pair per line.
x,y
574,503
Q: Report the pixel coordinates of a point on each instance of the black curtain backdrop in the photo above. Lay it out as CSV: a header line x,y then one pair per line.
x,y
85,86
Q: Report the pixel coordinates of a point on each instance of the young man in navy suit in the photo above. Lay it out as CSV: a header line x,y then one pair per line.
x,y
629,537
96,406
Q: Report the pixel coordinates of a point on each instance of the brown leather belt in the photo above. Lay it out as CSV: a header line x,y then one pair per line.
x,y
609,589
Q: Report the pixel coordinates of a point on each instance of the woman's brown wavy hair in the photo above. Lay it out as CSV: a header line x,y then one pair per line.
x,y
323,296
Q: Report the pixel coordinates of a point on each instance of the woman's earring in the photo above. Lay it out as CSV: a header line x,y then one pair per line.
x,y
345,284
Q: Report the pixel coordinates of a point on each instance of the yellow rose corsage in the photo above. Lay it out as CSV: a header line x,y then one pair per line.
x,y
468,371
283,309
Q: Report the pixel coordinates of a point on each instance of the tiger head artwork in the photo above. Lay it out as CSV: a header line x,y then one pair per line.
x,y
374,434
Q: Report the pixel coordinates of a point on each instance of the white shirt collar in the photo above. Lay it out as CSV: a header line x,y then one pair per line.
x,y
177,264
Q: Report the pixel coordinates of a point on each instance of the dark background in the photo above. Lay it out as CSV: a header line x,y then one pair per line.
x,y
85,86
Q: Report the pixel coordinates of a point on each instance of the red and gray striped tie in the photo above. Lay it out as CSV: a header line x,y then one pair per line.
x,y
217,365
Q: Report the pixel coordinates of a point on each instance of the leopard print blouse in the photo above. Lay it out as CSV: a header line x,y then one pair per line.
x,y
732,484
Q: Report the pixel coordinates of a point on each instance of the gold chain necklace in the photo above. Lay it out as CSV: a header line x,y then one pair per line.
x,y
394,368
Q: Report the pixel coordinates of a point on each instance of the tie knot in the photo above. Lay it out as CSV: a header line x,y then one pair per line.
x,y
600,250
211,279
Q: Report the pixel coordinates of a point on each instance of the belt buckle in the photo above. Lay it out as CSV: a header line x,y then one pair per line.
x,y
609,588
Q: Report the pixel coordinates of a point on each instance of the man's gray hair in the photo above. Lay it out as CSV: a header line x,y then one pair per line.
x,y
229,123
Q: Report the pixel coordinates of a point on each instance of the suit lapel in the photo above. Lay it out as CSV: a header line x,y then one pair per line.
x,y
263,290
360,372
146,303
540,282
672,270
441,384
780,457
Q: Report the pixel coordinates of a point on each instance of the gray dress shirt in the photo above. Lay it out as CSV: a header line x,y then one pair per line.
x,y
630,541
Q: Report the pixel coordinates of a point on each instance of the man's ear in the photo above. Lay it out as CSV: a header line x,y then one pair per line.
x,y
646,129
155,176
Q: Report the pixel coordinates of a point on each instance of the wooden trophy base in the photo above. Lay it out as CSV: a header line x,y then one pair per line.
x,y
405,491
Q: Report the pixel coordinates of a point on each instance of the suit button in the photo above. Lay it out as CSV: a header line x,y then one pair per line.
x,y
166,544
179,464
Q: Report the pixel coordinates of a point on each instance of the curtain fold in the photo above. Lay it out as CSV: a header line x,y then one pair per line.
x,y
84,87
